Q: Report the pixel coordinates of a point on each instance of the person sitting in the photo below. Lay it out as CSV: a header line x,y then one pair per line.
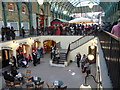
x,y
14,72
8,77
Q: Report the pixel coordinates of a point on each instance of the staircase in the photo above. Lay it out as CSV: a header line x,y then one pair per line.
x,y
72,46
63,56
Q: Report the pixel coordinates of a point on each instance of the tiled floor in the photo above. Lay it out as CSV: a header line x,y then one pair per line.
x,y
50,74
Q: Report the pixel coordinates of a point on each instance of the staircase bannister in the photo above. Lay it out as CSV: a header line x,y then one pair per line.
x,y
78,42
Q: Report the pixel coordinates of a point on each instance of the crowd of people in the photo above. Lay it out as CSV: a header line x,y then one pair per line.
x,y
22,60
8,33
113,28
68,29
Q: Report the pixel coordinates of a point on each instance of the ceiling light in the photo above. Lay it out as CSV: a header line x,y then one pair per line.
x,y
40,1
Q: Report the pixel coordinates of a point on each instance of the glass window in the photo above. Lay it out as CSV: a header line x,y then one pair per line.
x,y
78,3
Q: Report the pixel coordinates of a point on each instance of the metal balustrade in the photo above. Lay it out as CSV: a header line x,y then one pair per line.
x,y
111,49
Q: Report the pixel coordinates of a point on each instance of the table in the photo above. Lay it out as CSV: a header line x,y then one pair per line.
x,y
58,83
36,80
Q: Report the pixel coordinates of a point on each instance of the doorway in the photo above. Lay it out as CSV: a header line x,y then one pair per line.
x,y
47,44
5,57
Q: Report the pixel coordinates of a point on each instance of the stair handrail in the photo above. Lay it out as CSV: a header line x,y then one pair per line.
x,y
82,37
76,41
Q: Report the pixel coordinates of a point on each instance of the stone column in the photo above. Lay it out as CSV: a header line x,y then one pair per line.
x,y
19,17
4,13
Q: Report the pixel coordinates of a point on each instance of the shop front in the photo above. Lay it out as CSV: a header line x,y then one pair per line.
x,y
47,44
23,48
6,54
36,45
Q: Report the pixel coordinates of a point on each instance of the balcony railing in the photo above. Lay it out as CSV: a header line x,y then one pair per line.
x,y
111,49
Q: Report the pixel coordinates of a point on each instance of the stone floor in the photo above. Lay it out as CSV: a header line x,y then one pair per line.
x,y
50,74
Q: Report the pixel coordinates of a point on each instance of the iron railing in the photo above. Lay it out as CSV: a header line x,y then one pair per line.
x,y
111,49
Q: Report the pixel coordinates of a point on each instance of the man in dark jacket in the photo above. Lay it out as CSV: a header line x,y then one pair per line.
x,y
34,55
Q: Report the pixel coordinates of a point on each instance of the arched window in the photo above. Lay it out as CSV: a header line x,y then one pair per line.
x,y
10,6
24,8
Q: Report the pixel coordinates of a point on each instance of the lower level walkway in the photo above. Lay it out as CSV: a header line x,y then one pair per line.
x,y
50,74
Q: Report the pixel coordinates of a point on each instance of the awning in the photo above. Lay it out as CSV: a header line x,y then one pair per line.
x,y
81,20
59,21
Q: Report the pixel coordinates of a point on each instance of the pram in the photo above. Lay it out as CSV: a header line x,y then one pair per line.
x,y
24,63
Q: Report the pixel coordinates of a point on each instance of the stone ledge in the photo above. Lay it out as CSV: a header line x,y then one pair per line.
x,y
57,65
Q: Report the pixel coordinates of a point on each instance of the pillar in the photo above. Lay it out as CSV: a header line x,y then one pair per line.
x,y
45,14
19,17
4,13
30,17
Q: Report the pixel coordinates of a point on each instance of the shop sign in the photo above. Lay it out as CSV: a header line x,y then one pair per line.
x,y
10,48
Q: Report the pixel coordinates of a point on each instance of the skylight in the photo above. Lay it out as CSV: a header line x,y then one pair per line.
x,y
79,3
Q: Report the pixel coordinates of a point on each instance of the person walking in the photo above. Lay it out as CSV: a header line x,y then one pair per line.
x,y
78,57
83,61
87,67
116,29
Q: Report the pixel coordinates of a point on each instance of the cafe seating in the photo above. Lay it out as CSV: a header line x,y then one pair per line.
x,y
28,80
30,85
62,88
8,83
40,84
28,74
50,86
17,84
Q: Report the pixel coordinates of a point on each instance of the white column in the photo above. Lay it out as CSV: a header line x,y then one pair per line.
x,y
49,19
34,21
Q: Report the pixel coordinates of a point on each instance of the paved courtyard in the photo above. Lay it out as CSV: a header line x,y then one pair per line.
x,y
50,74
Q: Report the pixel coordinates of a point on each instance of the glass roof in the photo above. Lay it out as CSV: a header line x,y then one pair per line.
x,y
78,3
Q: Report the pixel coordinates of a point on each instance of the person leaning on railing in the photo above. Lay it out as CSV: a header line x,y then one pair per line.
x,y
116,29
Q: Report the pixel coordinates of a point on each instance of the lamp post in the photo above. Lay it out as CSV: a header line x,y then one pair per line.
x,y
91,4
85,85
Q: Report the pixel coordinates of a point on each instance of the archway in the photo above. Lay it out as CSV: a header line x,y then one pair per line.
x,y
47,44
24,49
6,54
36,45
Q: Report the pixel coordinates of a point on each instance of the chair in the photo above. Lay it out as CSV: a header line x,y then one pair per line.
x,y
50,86
28,80
8,83
39,85
30,86
17,84
62,88
28,74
